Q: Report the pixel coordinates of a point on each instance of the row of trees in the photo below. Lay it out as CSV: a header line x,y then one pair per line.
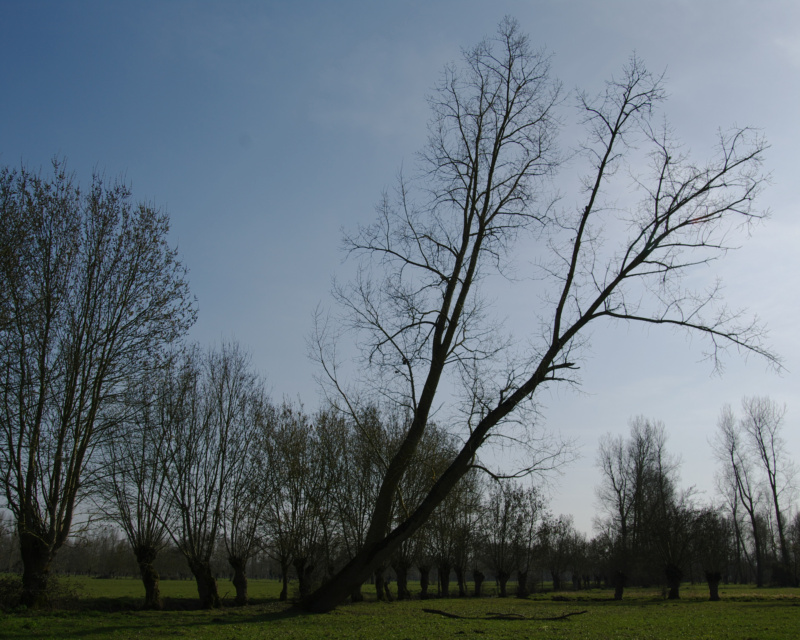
x,y
655,530
202,459
210,469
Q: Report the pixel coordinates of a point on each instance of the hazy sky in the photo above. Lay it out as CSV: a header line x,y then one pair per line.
x,y
263,128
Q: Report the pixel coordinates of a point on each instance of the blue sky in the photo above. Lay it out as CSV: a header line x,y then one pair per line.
x,y
263,128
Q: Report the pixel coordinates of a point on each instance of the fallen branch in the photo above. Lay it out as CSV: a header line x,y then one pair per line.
x,y
504,616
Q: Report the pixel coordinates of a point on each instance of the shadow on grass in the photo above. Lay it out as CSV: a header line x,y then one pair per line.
x,y
96,619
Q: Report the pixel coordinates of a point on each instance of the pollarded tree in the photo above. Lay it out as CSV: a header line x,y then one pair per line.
x,y
133,487
91,293
416,304
215,422
502,519
712,546
556,535
299,482
430,461
356,445
451,530
526,541
240,402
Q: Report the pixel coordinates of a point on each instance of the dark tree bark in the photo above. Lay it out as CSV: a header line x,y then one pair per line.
x,y
444,579
674,575
424,581
462,584
401,570
239,579
478,577
356,595
145,557
502,580
713,578
619,584
380,584
284,595
522,584
304,573
556,576
206,584
36,557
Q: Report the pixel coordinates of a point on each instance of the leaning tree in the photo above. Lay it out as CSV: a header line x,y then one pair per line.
x,y
416,305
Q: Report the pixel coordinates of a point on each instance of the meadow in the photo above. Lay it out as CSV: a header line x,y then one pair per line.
x,y
109,608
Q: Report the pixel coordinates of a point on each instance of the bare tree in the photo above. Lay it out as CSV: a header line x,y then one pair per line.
x,y
451,529
91,292
133,485
732,453
241,404
430,460
422,322
356,445
794,546
712,538
616,494
299,484
527,545
647,516
209,440
502,516
762,422
556,535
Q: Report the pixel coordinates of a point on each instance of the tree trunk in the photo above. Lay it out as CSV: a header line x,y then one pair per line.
x,y
380,584
401,569
502,579
556,576
522,584
757,548
356,595
36,557
444,580
424,581
378,549
206,584
619,584
478,577
284,580
462,584
713,578
304,573
239,579
674,576
145,557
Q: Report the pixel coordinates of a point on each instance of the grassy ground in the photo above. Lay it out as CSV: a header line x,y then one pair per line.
x,y
107,610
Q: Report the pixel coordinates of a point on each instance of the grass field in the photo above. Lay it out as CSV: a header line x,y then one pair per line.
x,y
108,609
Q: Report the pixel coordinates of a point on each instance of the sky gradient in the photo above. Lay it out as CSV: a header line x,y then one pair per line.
x,y
264,128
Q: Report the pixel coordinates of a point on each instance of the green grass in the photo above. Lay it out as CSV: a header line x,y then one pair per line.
x,y
744,613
